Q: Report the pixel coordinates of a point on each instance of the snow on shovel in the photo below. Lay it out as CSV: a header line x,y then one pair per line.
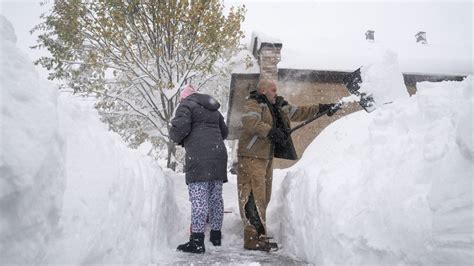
x,y
378,82
383,83
352,81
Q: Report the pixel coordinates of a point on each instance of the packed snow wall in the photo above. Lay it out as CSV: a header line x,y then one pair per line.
x,y
392,187
31,162
70,190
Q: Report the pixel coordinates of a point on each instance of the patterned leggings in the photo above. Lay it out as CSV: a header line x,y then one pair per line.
x,y
206,203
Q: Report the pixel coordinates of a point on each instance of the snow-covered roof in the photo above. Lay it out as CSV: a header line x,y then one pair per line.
x,y
413,58
331,36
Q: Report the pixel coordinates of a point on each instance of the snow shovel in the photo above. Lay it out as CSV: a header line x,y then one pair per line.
x,y
351,81
318,115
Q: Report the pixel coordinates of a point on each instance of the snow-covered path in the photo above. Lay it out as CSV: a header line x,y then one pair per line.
x,y
231,251
237,255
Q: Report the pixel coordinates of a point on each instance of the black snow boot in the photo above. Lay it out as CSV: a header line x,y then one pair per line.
x,y
216,237
195,244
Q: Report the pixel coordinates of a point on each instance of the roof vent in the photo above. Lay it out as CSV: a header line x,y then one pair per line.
x,y
421,37
370,35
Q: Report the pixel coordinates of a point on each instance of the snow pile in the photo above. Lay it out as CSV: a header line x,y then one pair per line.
x,y
118,205
7,32
383,80
70,190
449,149
390,187
31,172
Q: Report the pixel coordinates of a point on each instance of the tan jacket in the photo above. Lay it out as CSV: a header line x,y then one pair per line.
x,y
257,122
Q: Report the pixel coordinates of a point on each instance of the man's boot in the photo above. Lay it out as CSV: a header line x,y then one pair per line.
x,y
250,237
252,241
215,237
270,245
195,244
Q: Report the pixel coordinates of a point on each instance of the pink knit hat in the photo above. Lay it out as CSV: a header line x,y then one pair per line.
x,y
188,90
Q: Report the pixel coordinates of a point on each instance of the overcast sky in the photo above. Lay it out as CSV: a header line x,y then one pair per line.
x,y
300,24
328,34
397,21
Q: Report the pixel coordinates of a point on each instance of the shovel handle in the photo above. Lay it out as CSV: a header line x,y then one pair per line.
x,y
318,115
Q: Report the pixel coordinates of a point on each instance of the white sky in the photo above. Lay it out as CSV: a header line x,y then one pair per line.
x,y
394,21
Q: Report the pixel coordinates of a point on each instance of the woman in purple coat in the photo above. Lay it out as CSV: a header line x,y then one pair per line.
x,y
200,128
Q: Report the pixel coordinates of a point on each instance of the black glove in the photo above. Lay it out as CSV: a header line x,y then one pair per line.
x,y
330,108
278,135
280,102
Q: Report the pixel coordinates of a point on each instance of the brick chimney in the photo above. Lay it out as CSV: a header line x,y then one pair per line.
x,y
268,53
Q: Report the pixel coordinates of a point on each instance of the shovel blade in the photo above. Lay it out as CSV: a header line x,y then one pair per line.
x,y
352,82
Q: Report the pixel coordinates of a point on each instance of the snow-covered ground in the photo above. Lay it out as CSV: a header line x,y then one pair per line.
x,y
393,187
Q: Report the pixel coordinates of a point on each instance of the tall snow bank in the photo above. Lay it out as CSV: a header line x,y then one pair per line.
x,y
119,206
392,187
451,166
31,172
70,190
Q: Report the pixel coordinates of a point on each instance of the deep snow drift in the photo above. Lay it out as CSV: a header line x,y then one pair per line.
x,y
31,162
70,190
393,186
